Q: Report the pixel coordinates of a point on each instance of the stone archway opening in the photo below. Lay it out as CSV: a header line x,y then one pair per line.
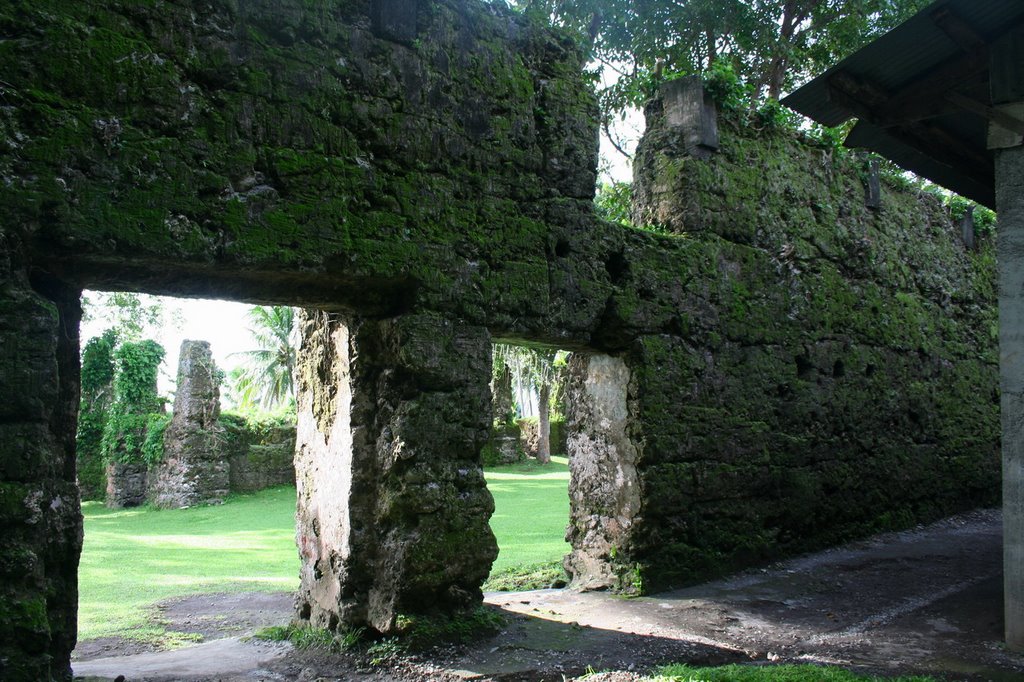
x,y
593,456
526,466
158,454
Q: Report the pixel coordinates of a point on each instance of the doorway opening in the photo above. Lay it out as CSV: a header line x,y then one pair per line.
x,y
526,467
185,445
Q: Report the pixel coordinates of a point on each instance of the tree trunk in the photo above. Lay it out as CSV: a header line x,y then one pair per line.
x,y
544,424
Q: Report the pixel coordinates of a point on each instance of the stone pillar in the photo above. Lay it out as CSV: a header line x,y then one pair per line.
x,y
393,510
1007,84
39,505
604,492
195,466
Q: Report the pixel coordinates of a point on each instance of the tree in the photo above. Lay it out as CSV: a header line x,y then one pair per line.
x,y
534,369
267,377
770,44
131,315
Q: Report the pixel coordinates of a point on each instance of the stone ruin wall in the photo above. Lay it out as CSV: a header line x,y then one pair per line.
x,y
835,369
194,469
206,455
793,370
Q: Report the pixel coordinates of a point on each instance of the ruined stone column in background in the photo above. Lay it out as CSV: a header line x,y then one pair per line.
x,y
195,468
604,495
39,506
392,506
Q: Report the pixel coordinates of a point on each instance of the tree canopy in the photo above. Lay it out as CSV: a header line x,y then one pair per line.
x,y
770,44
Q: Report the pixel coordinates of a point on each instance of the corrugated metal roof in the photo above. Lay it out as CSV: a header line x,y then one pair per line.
x,y
905,55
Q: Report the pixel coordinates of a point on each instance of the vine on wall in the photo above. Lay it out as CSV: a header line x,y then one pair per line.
x,y
136,402
97,394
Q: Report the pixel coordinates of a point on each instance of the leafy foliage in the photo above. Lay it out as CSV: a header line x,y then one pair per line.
x,y
984,218
152,451
530,367
267,378
132,315
770,44
614,201
98,363
135,399
97,386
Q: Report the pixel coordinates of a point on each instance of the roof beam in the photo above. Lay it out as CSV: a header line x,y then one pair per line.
x,y
998,116
958,30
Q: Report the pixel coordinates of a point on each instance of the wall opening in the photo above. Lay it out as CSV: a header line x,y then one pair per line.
x,y
569,519
526,467
185,456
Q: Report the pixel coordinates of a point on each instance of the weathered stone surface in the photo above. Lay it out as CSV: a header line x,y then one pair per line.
x,y
529,436
604,488
127,484
262,459
827,380
393,509
39,503
195,467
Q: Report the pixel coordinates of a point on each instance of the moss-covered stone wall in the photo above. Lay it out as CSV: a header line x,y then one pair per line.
x,y
40,511
841,374
800,369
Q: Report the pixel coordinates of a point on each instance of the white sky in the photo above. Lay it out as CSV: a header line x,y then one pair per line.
x,y
223,323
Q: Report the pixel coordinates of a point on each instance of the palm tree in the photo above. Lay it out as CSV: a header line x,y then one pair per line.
x,y
266,378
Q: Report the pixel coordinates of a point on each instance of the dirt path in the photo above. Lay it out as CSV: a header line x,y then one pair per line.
x,y
922,601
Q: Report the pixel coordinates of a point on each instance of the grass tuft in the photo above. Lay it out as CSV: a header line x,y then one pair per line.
x,y
767,673
535,577
306,637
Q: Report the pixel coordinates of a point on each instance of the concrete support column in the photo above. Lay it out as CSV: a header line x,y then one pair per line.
x,y
604,492
1010,254
392,506
1007,87
39,505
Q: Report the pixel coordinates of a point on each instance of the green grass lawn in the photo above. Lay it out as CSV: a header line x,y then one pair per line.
x,y
133,558
531,510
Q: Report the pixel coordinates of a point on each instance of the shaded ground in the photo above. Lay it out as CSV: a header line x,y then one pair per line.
x,y
922,601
